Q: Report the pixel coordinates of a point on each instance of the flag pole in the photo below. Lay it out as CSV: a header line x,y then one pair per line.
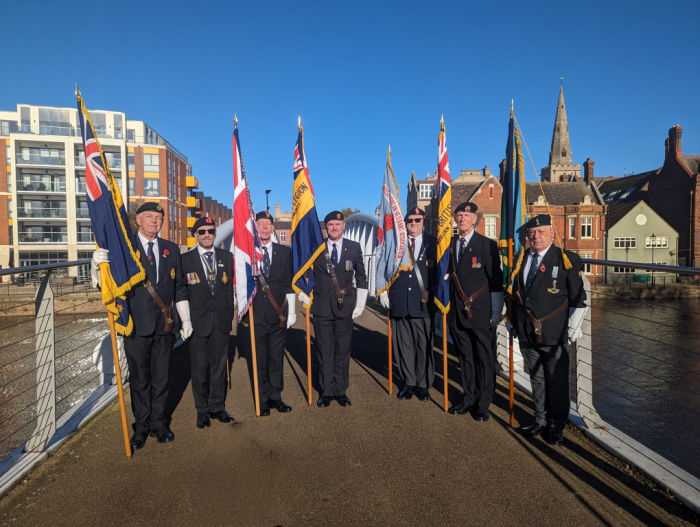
x,y
511,389
120,387
444,358
255,361
308,354
389,347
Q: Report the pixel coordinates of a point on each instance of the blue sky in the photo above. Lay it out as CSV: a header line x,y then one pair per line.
x,y
364,75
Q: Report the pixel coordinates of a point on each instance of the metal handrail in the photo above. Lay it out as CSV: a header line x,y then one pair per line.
x,y
677,269
43,267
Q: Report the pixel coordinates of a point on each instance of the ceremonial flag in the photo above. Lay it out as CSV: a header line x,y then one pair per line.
x,y
443,192
110,226
247,253
392,256
307,238
512,204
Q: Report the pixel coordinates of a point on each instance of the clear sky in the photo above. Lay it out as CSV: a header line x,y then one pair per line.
x,y
364,75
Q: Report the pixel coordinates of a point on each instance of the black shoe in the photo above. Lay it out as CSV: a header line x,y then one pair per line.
x,y
279,405
222,415
264,411
324,401
343,400
165,435
203,420
554,435
459,409
138,440
532,429
480,415
422,394
406,393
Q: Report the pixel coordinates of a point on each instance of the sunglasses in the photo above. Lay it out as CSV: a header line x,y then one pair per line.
x,y
202,232
414,220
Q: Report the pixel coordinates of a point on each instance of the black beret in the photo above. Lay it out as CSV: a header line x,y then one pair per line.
x,y
467,206
414,212
203,222
542,220
264,215
150,206
335,215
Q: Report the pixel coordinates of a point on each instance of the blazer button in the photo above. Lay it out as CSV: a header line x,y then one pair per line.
x,y
409,288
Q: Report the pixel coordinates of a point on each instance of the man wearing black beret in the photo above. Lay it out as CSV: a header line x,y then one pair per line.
x,y
547,313
476,297
209,276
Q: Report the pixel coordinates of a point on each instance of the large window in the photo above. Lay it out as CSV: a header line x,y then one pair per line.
x,y
53,121
130,158
27,258
425,191
41,182
586,266
39,208
656,242
625,242
151,187
41,156
490,226
283,236
586,227
151,162
84,233
572,227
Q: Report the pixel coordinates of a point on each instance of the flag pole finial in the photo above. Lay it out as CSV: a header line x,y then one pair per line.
x,y
511,105
442,118
77,91
299,121
235,119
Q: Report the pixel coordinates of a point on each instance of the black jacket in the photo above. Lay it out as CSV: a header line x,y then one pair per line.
x,y
404,293
280,282
209,310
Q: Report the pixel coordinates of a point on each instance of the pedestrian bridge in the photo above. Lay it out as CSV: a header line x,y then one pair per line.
x,y
381,461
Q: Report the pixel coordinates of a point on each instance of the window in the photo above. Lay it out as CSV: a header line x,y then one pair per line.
x,y
131,135
586,266
586,227
130,159
572,227
490,225
132,186
623,270
84,234
425,191
283,236
623,242
656,242
151,187
117,126
151,162
655,263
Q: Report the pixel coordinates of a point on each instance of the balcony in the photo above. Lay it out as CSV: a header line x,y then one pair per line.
x,y
48,213
42,237
82,213
38,159
85,237
191,182
59,186
191,202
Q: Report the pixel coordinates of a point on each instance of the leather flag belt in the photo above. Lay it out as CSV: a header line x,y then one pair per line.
x,y
279,310
167,311
537,322
339,293
466,300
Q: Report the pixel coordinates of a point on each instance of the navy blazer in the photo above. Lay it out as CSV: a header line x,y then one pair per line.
x,y
280,282
552,285
350,265
206,309
170,286
404,293
480,265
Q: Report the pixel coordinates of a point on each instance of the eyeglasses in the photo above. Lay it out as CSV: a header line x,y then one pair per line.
x,y
414,220
202,232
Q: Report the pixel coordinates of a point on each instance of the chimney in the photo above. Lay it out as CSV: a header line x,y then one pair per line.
x,y
588,171
674,142
486,171
278,210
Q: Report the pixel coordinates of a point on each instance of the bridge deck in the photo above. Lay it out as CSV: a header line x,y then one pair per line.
x,y
379,462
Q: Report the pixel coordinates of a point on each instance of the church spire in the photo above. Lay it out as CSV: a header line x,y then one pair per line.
x,y
561,166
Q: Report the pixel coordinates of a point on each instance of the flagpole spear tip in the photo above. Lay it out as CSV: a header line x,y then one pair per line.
x,y
235,119
442,118
299,121
511,105
77,91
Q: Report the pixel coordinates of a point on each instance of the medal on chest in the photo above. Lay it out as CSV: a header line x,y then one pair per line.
x,y
555,273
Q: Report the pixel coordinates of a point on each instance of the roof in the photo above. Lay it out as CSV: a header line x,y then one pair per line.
x,y
560,192
617,211
461,192
692,163
630,188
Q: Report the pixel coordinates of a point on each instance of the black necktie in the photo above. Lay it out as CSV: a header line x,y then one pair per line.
x,y
211,272
266,262
462,247
532,272
413,247
334,255
151,262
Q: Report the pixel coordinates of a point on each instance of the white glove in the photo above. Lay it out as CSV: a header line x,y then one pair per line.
x,y
304,299
183,309
292,310
384,300
576,316
360,304
98,257
496,307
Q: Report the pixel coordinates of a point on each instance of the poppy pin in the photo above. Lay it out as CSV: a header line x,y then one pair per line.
x,y
543,268
165,253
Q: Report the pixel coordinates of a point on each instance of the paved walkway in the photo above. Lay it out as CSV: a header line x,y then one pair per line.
x,y
379,462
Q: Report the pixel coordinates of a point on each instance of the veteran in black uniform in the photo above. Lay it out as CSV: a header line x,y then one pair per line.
x,y
336,304
547,310
476,297
275,312
410,302
155,324
209,275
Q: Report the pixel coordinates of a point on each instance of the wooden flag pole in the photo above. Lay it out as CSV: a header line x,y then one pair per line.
x,y
389,346
120,387
511,389
444,358
308,353
255,361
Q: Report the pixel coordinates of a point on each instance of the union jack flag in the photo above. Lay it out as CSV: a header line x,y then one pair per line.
x,y
110,226
247,252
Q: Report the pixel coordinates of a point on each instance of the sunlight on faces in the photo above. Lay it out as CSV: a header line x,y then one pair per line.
x,y
540,237
205,236
265,229
414,227
150,223
335,229
465,222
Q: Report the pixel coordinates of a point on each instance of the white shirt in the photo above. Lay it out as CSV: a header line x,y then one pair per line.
x,y
418,242
467,238
144,241
338,247
540,257
202,251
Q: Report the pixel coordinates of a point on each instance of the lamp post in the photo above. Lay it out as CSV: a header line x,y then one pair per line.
x,y
267,203
652,238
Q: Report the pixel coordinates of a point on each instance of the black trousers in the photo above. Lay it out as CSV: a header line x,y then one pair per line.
x,y
475,349
269,347
549,377
208,368
333,344
413,341
148,359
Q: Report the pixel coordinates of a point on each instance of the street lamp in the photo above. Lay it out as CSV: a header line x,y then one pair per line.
x,y
267,203
652,238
